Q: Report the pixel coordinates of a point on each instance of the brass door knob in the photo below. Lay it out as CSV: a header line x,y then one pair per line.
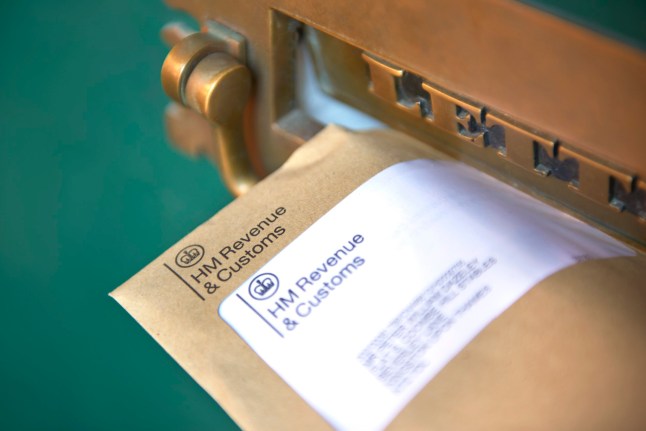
x,y
199,75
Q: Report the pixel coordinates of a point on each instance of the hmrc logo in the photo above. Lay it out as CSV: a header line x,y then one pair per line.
x,y
263,286
189,256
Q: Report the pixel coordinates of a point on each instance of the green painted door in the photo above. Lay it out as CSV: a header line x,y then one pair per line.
x,y
90,192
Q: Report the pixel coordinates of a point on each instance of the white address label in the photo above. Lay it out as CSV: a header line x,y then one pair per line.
x,y
361,311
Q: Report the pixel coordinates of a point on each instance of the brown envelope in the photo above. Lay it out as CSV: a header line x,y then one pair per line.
x,y
568,355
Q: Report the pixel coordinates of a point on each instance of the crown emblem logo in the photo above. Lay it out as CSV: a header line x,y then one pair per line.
x,y
263,286
189,256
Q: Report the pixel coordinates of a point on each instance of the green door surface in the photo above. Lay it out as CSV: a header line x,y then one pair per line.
x,y
90,192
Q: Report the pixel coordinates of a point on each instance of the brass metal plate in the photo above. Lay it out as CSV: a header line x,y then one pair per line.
x,y
574,93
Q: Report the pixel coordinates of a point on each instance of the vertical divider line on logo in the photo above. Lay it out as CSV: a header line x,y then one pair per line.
x,y
184,281
260,315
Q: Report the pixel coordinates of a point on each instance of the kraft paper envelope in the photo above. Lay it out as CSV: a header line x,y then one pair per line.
x,y
570,354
